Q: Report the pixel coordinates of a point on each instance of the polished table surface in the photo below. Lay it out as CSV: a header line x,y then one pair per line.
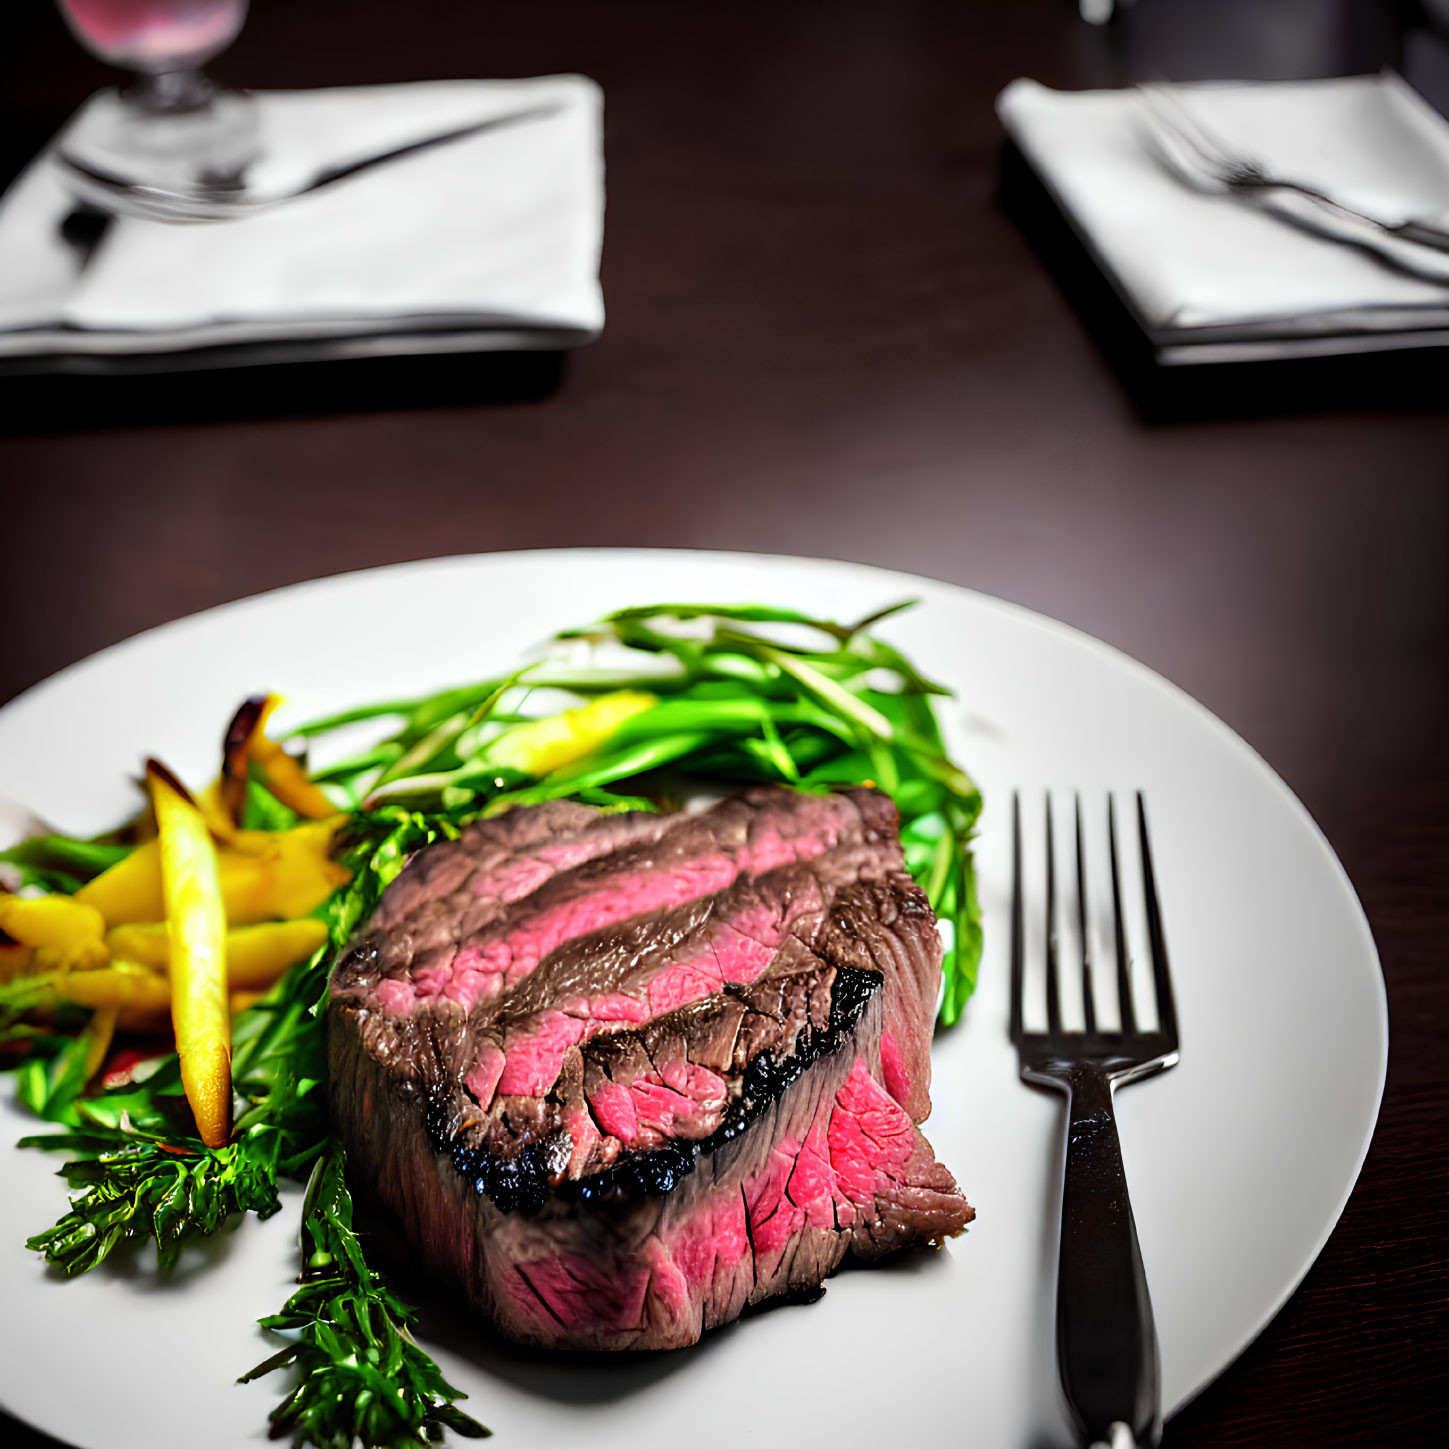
x,y
828,335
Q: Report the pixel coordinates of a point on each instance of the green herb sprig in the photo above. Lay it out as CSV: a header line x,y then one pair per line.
x,y
140,1173
360,1377
802,701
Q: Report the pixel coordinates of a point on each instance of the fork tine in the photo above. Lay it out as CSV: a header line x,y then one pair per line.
x,y
1053,986
1161,977
1018,925
1169,112
1124,983
1089,1009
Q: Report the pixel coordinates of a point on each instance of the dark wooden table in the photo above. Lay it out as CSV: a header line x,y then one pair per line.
x,y
827,336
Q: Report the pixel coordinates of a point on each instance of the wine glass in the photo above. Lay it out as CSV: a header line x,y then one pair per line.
x,y
167,135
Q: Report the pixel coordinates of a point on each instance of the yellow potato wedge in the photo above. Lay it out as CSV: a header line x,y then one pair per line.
x,y
232,786
218,820
14,960
200,1012
130,890
264,875
124,986
288,781
280,875
68,932
146,943
255,955
247,744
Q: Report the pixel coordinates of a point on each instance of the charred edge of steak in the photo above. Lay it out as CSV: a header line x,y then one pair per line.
x,y
522,1183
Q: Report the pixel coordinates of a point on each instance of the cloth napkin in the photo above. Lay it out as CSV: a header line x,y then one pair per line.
x,y
1213,278
487,242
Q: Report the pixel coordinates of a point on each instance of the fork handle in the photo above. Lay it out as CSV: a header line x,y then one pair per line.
x,y
1421,232
1106,1342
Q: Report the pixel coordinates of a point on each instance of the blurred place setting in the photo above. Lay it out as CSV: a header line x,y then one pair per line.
x,y
1234,214
1208,207
173,223
351,349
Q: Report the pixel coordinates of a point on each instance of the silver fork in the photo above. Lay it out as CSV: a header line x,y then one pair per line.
x,y
224,197
1202,159
1106,1342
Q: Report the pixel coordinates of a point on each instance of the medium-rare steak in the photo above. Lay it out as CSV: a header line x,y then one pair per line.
x,y
621,1076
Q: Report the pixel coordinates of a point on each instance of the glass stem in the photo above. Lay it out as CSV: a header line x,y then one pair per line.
x,y
171,92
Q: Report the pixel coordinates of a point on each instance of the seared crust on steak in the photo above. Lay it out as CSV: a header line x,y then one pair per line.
x,y
621,1076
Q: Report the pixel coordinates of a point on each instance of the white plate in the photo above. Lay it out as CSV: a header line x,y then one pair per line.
x,y
1240,1160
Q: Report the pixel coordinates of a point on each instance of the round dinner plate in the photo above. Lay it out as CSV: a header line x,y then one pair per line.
x,y
1239,1160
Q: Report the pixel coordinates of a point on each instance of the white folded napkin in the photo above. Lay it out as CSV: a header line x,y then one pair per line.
x,y
1216,278
488,241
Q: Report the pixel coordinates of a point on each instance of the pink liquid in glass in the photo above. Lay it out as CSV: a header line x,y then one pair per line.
x,y
155,35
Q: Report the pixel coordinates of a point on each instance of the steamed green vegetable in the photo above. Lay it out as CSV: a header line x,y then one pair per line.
x,y
814,705
635,712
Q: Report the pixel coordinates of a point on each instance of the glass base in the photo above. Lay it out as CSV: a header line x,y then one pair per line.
x,y
168,148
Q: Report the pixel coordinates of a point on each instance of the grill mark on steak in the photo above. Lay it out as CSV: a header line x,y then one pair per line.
x,y
455,938
445,896
428,888
617,979
521,1180
768,1076
523,1143
767,1030
695,856
767,1039
656,1272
